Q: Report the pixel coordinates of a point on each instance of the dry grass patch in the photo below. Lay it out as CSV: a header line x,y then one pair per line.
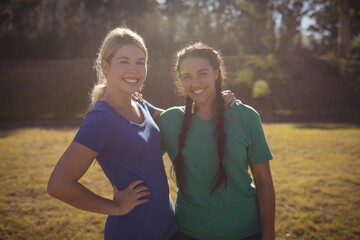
x,y
315,173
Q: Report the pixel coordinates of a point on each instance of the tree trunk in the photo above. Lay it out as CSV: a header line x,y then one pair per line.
x,y
344,30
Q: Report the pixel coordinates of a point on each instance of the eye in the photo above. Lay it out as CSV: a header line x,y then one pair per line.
x,y
202,74
185,77
124,62
141,63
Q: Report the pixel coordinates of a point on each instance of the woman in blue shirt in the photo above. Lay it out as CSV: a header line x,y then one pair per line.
x,y
121,135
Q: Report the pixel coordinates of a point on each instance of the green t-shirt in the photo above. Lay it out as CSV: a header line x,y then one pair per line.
x,y
231,212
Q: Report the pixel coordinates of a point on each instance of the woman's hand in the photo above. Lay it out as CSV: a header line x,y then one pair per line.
x,y
229,98
131,197
137,97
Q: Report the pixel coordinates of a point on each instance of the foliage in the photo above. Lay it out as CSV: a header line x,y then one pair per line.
x,y
326,24
244,77
261,89
291,12
264,36
257,27
76,28
348,68
258,67
331,58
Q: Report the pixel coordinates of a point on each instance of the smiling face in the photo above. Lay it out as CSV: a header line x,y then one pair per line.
x,y
126,70
198,78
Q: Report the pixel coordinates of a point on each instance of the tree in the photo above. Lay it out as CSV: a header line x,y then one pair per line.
x,y
291,12
337,22
257,25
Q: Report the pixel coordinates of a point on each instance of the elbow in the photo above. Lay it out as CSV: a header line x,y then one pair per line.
x,y
53,188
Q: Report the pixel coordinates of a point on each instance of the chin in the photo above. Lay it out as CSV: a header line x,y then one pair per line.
x,y
198,100
132,90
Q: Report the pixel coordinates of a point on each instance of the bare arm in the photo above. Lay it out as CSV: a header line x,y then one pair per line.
x,y
139,97
63,184
266,198
229,101
157,113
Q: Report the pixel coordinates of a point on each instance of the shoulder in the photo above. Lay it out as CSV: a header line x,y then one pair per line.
x,y
171,116
243,110
146,105
100,113
173,112
97,128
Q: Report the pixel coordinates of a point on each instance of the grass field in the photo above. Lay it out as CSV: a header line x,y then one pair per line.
x,y
316,173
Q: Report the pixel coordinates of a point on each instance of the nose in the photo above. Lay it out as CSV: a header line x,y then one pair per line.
x,y
195,81
132,67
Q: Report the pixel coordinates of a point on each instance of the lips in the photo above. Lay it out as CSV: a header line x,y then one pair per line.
x,y
198,91
131,80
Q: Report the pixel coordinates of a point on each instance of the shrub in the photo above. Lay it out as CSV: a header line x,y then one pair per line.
x,y
244,77
261,89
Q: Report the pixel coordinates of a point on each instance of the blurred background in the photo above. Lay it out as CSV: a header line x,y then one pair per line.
x,y
294,61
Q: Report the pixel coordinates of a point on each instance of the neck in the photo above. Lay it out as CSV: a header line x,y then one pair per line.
x,y
117,100
206,109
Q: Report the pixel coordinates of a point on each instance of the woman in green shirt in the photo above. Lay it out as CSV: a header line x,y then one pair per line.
x,y
212,148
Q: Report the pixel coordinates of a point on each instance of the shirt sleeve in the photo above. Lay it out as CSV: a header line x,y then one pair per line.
x,y
170,123
259,150
96,131
161,122
150,107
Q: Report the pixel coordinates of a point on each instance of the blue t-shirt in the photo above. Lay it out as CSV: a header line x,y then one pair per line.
x,y
127,152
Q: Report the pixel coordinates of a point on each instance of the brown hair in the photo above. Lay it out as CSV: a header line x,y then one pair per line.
x,y
214,58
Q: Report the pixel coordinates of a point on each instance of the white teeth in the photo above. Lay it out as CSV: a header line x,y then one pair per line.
x,y
198,91
129,80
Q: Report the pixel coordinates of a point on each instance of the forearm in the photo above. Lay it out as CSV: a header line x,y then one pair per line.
x,y
266,202
77,195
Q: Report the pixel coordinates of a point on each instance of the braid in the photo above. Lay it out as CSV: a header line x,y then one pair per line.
x,y
214,57
179,161
220,178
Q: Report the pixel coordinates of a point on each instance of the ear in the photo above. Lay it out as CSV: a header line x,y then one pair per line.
x,y
105,67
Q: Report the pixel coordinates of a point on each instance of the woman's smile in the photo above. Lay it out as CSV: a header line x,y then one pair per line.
x,y
131,80
198,91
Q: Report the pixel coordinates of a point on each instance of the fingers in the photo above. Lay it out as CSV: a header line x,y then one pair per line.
x,y
135,190
132,196
140,97
225,92
231,98
134,186
141,189
232,103
142,194
135,183
142,201
137,97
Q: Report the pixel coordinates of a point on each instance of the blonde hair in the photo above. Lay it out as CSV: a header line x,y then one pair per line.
x,y
115,39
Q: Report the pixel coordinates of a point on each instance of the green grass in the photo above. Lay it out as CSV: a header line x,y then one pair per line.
x,y
315,171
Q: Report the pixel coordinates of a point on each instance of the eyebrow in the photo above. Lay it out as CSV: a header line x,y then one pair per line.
x,y
199,71
184,74
203,70
126,58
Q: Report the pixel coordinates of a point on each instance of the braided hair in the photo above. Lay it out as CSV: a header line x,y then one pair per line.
x,y
214,58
